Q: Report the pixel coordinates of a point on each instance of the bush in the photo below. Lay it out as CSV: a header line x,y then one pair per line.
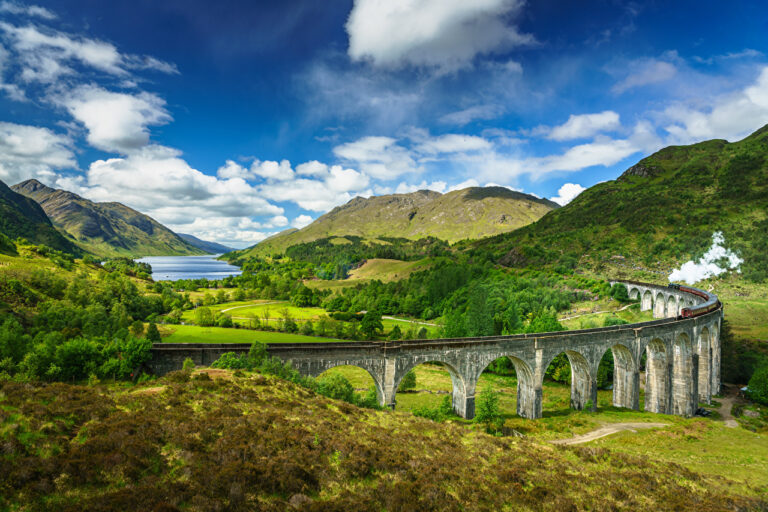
x,y
619,292
488,411
336,386
188,364
76,359
153,334
757,389
440,413
232,361
408,382
224,321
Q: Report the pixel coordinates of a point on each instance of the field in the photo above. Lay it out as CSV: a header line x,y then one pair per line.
x,y
273,311
195,334
702,444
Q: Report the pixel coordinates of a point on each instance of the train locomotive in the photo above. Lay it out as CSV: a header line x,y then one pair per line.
x,y
710,303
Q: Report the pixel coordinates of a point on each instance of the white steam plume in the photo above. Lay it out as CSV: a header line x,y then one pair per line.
x,y
709,265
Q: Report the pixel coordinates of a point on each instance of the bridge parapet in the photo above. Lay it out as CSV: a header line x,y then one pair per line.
x,y
682,358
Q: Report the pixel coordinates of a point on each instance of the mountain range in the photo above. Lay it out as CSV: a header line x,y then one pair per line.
x,y
209,247
470,213
105,229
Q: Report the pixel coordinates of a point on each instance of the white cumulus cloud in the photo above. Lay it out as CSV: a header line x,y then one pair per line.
x,y
567,193
32,152
301,221
379,157
440,34
585,125
731,116
115,121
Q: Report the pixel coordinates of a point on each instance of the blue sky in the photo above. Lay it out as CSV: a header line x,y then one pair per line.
x,y
235,120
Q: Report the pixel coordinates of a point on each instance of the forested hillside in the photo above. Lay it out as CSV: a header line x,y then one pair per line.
x,y
105,229
663,209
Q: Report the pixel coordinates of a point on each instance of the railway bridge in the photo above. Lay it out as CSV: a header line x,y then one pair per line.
x,y
681,356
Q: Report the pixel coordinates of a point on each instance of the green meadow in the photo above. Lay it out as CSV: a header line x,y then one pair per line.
x,y
195,334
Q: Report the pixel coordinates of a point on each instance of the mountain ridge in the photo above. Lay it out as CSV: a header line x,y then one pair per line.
x,y
474,212
22,217
662,210
105,229
205,245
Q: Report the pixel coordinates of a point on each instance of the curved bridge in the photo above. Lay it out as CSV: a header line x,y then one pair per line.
x,y
682,357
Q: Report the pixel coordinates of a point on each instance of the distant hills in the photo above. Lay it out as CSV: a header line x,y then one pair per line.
x,y
474,212
105,229
209,247
23,217
664,209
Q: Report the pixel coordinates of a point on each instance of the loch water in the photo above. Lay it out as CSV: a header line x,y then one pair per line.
x,y
173,268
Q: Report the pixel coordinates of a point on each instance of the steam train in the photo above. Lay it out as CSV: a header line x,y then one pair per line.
x,y
710,303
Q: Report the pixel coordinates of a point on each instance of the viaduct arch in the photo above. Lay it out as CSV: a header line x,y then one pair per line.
x,y
682,357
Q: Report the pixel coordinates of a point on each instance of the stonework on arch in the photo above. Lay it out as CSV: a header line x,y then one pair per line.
x,y
703,349
684,376
657,377
626,378
671,306
647,303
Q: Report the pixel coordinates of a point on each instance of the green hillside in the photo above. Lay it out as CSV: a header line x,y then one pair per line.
x,y
469,213
23,217
105,229
660,212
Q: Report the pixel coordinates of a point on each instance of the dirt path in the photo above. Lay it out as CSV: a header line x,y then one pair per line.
x,y
409,321
726,403
725,412
607,430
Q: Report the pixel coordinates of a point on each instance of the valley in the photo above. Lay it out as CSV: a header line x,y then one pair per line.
x,y
92,323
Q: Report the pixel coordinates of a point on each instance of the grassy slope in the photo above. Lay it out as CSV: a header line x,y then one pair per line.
x,y
469,213
702,444
381,269
23,217
106,229
661,212
261,443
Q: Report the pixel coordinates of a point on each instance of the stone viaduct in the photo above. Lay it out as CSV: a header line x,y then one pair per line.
x,y
682,357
